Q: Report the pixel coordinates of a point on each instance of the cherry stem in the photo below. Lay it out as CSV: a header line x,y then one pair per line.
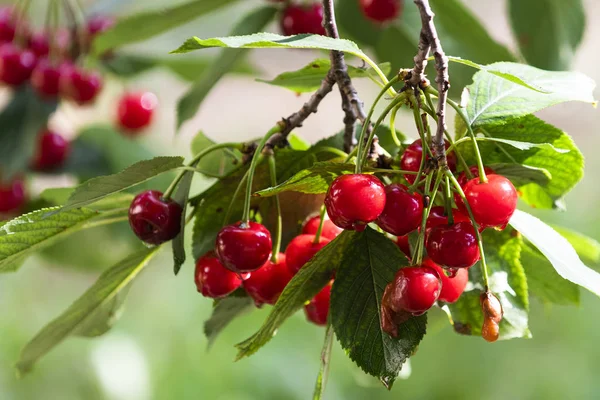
x,y
234,197
279,225
332,150
421,240
448,203
321,223
395,138
325,360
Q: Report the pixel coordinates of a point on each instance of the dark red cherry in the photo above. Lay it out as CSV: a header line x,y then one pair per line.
x,y
355,200
411,159
493,202
80,86
301,249
330,230
135,111
404,245
452,287
243,247
153,219
302,19
403,211
414,290
12,196
46,77
213,279
38,43
381,10
317,310
8,26
52,151
16,65
266,283
437,217
453,246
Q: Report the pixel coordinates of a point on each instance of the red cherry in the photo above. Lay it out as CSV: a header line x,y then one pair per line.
x,y
404,245
135,110
80,86
16,65
12,196
452,287
462,177
266,283
330,230
453,246
414,290
300,19
243,247
381,10
355,200
39,44
8,27
403,211
493,202
411,159
98,24
153,219
317,310
437,217
301,249
46,77
213,279
52,151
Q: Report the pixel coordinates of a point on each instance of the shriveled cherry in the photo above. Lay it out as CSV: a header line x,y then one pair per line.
x,y
266,283
453,246
46,77
411,159
452,287
303,19
381,10
317,310
213,279
329,230
403,210
301,249
135,111
414,290
80,86
492,316
153,219
243,247
52,151
492,202
355,200
16,65
12,196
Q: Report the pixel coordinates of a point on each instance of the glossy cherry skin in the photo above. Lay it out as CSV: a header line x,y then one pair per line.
x,y
52,151
317,310
153,219
243,247
474,169
301,249
493,202
12,196
437,217
403,211
266,283
381,10
330,230
452,287
411,159
301,19
213,279
355,200
453,246
404,245
46,77
8,26
135,111
16,65
414,290
80,86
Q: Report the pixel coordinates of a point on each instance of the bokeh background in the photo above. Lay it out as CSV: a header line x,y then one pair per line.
x,y
158,350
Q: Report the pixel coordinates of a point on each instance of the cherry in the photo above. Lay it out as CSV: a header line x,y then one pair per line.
x,y
474,169
493,202
243,247
46,77
317,310
301,249
437,217
452,287
354,200
52,151
16,65
266,284
153,219
38,43
135,110
80,86
413,290
301,19
12,196
329,230
453,246
403,211
8,27
411,159
404,245
381,10
213,279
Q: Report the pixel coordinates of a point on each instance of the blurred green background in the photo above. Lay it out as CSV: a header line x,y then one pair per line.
x,y
158,350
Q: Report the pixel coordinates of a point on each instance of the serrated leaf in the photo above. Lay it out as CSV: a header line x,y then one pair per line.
x,y
586,247
90,305
218,162
311,278
225,311
58,196
369,263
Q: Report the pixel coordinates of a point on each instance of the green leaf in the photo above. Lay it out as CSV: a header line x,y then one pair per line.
x,y
98,188
494,99
297,142
586,247
548,31
369,263
521,175
304,286
139,27
76,319
225,311
181,197
58,196
218,162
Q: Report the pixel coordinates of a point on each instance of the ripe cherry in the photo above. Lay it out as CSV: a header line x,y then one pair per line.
x,y
317,310
493,202
213,279
403,211
453,246
329,230
437,217
381,10
38,43
266,283
16,65
474,169
153,219
80,86
355,200
135,110
411,159
452,287
243,247
46,77
414,290
8,27
301,249
12,196
52,151
404,245
303,19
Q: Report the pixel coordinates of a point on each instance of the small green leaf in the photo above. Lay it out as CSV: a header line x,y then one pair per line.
x,y
586,247
297,142
225,311
218,162
76,319
520,174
